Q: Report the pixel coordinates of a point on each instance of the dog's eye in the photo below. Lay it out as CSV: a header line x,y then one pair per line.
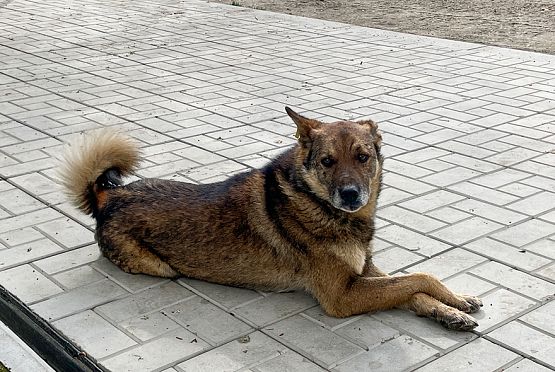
x,y
363,158
327,162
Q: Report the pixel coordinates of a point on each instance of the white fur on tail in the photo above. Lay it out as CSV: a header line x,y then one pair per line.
x,y
86,161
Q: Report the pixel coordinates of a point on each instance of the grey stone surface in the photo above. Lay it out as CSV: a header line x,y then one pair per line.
x,y
468,185
386,357
161,352
500,306
480,355
526,365
235,355
308,338
206,320
94,334
533,343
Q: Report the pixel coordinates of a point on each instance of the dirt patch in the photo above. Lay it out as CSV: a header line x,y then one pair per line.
x,y
519,24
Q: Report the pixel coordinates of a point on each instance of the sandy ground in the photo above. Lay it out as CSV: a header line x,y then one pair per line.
x,y
520,24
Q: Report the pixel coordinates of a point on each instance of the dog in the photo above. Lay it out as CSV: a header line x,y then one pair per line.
x,y
303,222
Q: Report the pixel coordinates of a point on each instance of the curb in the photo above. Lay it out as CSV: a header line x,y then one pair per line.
x,y
58,351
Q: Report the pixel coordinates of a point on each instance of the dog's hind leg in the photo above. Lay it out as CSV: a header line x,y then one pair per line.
x,y
132,258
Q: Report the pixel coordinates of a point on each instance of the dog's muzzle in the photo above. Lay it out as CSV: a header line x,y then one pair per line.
x,y
349,198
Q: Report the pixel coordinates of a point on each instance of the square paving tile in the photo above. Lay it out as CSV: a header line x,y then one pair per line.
x,y
480,355
309,338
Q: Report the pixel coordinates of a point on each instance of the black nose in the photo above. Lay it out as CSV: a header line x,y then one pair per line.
x,y
349,194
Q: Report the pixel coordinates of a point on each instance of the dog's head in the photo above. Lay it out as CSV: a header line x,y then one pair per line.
x,y
340,162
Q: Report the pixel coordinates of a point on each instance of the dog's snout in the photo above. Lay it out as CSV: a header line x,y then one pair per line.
x,y
349,194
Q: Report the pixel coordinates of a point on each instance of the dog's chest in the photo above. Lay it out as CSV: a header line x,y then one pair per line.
x,y
353,254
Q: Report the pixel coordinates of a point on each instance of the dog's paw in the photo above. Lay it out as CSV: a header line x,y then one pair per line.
x,y
470,304
456,320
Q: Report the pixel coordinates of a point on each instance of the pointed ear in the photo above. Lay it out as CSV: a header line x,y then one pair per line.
x,y
304,125
374,131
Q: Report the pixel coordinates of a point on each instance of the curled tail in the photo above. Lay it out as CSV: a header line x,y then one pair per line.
x,y
95,165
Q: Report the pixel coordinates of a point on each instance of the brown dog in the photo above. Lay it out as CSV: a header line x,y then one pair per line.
x,y
305,221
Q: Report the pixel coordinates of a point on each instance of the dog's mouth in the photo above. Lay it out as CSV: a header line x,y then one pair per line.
x,y
349,199
350,208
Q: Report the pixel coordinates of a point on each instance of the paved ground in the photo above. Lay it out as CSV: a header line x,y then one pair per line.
x,y
17,355
521,24
469,196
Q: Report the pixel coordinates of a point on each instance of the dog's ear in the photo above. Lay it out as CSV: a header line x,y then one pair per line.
x,y
374,131
304,126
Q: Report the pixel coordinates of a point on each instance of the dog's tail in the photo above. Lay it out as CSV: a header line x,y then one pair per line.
x,y
95,165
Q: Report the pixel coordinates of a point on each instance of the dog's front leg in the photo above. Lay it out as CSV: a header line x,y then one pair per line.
x,y
425,305
348,294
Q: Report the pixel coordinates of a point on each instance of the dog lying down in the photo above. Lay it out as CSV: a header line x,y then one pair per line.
x,y
304,221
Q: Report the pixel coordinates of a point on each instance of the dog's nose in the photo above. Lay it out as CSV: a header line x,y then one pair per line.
x,y
349,194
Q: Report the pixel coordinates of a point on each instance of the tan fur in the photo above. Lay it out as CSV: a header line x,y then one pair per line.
x,y
86,161
305,221
352,253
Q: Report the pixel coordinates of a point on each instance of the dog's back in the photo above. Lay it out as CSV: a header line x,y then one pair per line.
x,y
167,228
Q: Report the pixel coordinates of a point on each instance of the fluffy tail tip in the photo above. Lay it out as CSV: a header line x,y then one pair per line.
x,y
86,160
